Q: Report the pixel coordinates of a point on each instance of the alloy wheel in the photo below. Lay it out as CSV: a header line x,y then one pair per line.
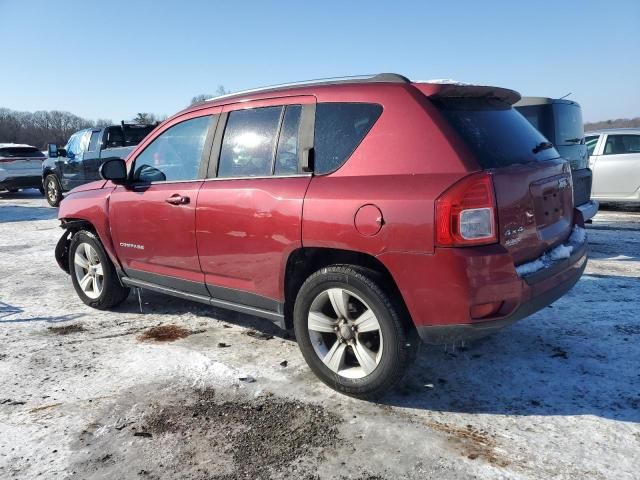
x,y
88,270
345,333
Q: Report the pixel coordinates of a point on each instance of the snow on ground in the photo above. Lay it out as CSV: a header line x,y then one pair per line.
x,y
82,396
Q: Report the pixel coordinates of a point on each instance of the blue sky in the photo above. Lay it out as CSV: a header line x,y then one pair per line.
x,y
111,59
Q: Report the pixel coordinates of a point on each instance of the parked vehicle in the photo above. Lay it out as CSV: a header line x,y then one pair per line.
x,y
560,120
431,211
20,166
614,157
77,163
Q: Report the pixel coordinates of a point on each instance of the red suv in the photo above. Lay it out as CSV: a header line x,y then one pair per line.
x,y
364,213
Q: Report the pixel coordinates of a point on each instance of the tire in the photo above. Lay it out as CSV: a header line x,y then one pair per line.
x,y
360,359
87,259
53,190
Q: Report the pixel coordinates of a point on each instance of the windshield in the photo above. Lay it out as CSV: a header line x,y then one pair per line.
x,y
20,152
133,135
497,134
568,123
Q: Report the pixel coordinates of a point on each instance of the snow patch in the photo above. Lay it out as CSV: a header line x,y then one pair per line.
x,y
577,238
447,81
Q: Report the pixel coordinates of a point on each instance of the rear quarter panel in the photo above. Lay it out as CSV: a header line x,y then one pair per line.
x,y
408,158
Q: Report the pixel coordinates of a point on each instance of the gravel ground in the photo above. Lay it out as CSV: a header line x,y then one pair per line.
x,y
182,390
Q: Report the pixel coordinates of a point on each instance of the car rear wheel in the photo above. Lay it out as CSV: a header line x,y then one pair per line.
x,y
53,191
92,273
351,332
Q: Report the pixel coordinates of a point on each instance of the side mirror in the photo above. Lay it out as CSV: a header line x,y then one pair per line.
x,y
114,169
52,149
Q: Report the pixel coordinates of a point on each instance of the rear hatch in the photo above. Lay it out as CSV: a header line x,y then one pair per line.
x,y
21,160
533,184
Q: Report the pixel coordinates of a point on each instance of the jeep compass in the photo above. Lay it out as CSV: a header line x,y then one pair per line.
x,y
365,213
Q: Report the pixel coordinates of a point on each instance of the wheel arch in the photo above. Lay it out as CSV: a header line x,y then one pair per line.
x,y
304,261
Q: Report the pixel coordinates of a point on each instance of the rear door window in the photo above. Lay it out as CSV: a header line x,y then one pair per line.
x,y
622,144
339,129
249,141
287,153
497,134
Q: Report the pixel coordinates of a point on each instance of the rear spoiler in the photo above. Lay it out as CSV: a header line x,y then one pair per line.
x,y
455,90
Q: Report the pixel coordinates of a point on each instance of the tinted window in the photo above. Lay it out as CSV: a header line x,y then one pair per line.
x,y
93,142
494,131
591,141
175,154
287,153
129,136
541,117
340,127
568,124
20,152
249,142
621,144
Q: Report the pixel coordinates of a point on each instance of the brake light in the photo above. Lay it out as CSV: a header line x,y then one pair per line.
x,y
466,213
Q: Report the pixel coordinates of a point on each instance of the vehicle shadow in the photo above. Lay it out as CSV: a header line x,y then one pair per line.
x,y
575,357
7,311
157,303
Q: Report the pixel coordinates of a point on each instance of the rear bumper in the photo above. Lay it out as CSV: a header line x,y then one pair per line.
x,y
27,181
548,287
588,210
443,289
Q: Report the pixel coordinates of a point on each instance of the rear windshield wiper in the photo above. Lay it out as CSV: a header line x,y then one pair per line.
x,y
574,140
542,146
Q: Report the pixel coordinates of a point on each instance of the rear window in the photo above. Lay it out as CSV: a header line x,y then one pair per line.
x,y
497,134
541,117
133,135
339,129
568,124
19,152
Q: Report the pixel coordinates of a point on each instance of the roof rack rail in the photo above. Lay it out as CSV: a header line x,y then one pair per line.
x,y
375,78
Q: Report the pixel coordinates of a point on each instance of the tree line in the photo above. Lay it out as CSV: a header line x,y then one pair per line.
x,y
42,127
617,123
55,126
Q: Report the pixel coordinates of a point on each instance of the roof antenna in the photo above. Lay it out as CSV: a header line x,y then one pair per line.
x,y
562,98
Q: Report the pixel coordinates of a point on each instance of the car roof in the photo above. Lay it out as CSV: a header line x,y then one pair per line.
x,y
531,101
16,145
434,88
627,131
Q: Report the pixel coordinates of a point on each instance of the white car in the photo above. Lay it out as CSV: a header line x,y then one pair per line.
x,y
20,167
615,162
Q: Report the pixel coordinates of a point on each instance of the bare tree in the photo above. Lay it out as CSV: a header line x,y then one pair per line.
x,y
206,96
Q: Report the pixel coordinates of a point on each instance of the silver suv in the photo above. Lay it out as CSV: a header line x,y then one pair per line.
x,y
615,162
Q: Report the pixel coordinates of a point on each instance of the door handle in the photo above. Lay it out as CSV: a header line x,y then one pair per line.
x,y
177,199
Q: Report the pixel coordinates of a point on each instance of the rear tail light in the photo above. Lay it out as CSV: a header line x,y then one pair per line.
x,y
466,213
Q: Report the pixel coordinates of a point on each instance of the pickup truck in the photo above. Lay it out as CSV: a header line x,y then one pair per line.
x,y
78,162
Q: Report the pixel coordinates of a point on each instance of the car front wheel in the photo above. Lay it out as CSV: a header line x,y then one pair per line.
x,y
53,191
92,273
351,332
